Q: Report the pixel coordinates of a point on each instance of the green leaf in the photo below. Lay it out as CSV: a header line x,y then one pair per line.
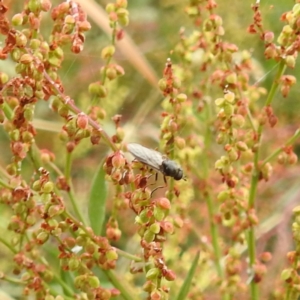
x,y
97,201
187,283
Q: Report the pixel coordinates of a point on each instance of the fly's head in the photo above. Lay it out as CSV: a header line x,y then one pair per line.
x,y
171,168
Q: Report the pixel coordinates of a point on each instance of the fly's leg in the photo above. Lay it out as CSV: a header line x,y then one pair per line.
x,y
160,187
156,176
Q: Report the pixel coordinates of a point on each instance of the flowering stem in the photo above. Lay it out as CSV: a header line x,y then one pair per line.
x,y
209,202
289,142
71,105
208,199
254,182
119,284
113,42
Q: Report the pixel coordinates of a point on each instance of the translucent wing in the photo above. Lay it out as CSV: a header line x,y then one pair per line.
x,y
146,156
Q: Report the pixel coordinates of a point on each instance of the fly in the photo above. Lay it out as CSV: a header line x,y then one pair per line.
x,y
156,160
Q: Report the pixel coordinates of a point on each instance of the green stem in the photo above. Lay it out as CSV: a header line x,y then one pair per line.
x,y
128,255
281,69
64,285
4,184
34,153
13,280
214,234
8,245
254,182
74,204
68,166
16,281
208,199
113,42
55,168
209,202
71,192
58,278
289,142
120,285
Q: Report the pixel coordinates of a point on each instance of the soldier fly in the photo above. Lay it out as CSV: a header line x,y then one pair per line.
x,y
156,160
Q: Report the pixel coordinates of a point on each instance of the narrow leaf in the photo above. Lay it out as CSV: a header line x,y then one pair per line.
x,y
97,201
188,281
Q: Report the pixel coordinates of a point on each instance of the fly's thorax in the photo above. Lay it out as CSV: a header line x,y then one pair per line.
x,y
172,169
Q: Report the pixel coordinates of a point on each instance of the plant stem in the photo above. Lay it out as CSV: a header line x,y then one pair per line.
x,y
113,43
209,201
71,192
74,204
68,166
289,142
119,284
8,245
254,182
4,184
128,255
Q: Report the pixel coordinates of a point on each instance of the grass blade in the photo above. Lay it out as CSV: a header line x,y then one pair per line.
x,y
187,283
97,201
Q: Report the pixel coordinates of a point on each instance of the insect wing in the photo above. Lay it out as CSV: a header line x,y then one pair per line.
x,y
146,156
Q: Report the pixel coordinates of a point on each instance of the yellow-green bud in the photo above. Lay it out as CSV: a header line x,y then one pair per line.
x,y
34,5
155,228
108,52
48,187
228,109
122,12
149,236
21,40
111,255
110,7
73,264
97,89
242,146
159,213
26,59
232,78
162,84
229,97
123,20
152,274
220,102
42,237
290,61
238,121
181,97
93,281
286,274
223,196
17,19
16,54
